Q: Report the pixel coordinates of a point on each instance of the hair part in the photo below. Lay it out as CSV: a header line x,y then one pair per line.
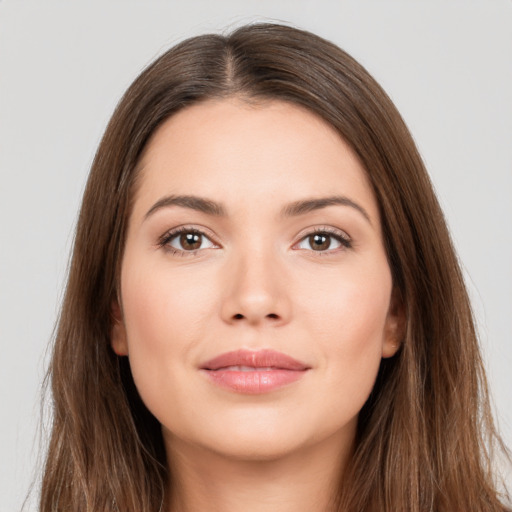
x,y
424,434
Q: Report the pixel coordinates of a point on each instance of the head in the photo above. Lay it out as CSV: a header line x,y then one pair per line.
x,y
401,434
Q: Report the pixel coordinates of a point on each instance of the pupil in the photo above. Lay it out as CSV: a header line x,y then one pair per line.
x,y
190,240
321,242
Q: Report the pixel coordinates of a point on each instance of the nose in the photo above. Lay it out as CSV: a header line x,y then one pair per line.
x,y
256,291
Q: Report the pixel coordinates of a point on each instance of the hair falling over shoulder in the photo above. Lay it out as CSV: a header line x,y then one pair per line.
x,y
426,439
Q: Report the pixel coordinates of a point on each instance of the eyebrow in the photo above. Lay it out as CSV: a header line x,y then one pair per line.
x,y
294,209
193,202
308,205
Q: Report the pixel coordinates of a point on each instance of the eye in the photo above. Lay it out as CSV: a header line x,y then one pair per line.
x,y
186,240
324,240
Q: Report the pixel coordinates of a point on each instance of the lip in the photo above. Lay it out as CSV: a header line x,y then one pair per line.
x,y
254,372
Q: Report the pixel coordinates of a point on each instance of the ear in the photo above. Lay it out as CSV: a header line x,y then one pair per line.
x,y
118,331
394,331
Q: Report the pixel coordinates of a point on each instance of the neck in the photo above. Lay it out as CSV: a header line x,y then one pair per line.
x,y
304,481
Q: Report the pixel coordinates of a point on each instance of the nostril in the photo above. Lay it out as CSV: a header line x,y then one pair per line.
x,y
239,316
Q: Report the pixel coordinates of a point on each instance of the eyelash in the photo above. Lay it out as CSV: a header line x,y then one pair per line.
x,y
173,233
339,236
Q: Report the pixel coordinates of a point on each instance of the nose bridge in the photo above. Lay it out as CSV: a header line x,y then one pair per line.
x,y
255,285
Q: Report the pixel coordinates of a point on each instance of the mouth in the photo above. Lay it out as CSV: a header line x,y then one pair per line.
x,y
254,372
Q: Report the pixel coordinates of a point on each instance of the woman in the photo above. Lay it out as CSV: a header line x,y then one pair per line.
x,y
264,309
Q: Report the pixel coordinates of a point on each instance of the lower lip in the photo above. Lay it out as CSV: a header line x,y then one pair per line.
x,y
254,382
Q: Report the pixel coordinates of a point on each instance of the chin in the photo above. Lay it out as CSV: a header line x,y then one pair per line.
x,y
257,448
262,438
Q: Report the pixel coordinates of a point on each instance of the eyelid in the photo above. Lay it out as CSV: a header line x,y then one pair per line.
x,y
164,239
344,239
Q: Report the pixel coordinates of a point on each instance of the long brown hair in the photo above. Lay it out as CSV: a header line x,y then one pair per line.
x,y
425,435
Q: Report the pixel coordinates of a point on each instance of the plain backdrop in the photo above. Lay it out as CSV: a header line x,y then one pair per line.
x,y
64,65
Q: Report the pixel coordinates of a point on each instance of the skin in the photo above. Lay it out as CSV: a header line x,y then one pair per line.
x,y
256,281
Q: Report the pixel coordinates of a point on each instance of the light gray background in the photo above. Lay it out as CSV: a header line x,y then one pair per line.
x,y
64,65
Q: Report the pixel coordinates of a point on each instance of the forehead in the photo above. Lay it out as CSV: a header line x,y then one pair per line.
x,y
234,152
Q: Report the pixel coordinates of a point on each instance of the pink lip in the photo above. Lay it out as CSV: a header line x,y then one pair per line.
x,y
272,370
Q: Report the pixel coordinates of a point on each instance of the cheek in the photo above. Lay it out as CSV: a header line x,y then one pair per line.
x,y
160,306
347,316
349,299
165,320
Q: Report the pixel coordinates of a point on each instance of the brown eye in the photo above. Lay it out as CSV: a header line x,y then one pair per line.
x,y
324,241
190,241
319,242
187,241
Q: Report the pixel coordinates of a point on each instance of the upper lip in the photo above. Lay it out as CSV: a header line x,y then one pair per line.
x,y
256,359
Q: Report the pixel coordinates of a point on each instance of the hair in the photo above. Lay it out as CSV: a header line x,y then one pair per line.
x,y
425,436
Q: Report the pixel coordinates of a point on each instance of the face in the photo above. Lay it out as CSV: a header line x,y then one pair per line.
x,y
255,302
